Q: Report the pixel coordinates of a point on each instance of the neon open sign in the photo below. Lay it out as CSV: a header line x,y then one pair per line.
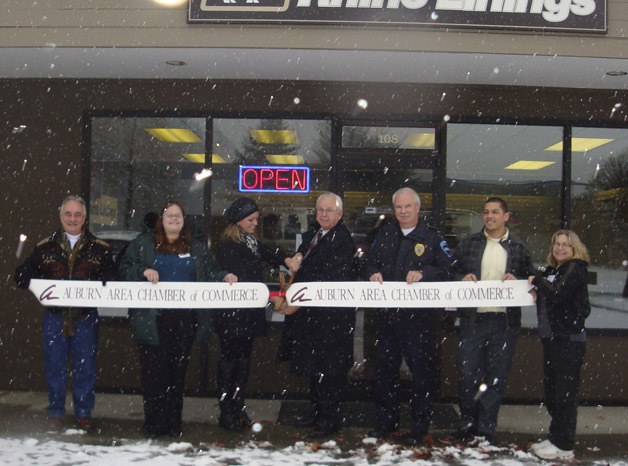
x,y
274,179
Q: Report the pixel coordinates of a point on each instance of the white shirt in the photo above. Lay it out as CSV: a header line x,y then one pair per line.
x,y
493,265
73,239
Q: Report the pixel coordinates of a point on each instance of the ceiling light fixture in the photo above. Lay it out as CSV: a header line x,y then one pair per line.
x,y
529,165
615,73
285,159
581,144
173,134
274,136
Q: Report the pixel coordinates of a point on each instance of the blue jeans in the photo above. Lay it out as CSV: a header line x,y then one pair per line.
x,y
82,347
487,347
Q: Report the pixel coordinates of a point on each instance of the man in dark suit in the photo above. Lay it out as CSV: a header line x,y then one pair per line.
x,y
317,341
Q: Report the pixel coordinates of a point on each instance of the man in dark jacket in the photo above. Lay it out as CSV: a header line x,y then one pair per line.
x,y
488,336
319,342
406,250
71,253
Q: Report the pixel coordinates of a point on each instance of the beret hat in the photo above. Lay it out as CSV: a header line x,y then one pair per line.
x,y
240,209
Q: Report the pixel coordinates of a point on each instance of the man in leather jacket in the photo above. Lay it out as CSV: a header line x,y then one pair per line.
x,y
70,253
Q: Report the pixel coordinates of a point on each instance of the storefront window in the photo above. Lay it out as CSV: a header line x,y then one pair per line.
x,y
599,215
514,162
270,143
509,161
138,164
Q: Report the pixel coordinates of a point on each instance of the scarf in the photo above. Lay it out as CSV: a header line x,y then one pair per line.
x,y
251,242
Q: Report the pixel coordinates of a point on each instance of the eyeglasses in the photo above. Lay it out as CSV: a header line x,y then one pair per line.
x,y
173,216
328,211
69,214
561,245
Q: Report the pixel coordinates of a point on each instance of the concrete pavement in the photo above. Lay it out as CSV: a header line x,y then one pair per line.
x,y
602,430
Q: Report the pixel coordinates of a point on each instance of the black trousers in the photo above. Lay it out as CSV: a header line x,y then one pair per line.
x,y
326,395
163,372
562,360
234,346
408,334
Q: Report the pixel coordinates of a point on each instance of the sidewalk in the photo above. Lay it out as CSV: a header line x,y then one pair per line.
x,y
602,430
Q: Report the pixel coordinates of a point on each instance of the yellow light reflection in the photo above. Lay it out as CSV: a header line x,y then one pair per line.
x,y
581,144
529,165
274,136
173,134
425,140
285,159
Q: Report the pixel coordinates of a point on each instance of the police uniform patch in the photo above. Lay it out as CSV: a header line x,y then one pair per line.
x,y
419,249
445,248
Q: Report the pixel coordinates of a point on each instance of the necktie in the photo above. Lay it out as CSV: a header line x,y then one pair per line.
x,y
314,241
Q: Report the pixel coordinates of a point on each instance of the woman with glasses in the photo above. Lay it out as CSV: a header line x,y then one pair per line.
x,y
165,336
562,307
241,253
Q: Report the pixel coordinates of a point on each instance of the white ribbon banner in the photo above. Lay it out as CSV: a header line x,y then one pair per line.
x,y
163,295
489,293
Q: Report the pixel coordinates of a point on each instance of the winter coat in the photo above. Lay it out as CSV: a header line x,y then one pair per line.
x,y
394,255
52,259
320,340
139,256
468,259
239,260
566,297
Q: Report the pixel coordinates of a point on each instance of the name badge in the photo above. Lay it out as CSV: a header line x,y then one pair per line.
x,y
183,256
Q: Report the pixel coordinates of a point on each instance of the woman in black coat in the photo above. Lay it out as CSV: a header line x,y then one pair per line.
x,y
240,253
563,305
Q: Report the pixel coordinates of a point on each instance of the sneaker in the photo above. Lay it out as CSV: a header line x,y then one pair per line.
x,y
539,446
552,452
55,424
481,440
85,423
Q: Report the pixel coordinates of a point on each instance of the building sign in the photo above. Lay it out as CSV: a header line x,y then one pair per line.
x,y
274,179
550,15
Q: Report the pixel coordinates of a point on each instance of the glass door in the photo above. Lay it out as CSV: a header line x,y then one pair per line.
x,y
374,161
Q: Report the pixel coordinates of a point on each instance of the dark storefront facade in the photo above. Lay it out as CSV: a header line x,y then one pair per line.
x,y
555,155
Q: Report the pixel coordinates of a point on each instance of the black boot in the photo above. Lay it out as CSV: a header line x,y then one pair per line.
x,y
228,418
241,381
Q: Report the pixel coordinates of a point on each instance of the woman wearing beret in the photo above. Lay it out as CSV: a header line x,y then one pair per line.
x,y
241,253
165,336
562,307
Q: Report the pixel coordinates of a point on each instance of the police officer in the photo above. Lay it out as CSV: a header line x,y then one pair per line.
x,y
406,250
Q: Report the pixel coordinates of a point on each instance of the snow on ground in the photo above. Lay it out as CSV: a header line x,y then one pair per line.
x,y
45,451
